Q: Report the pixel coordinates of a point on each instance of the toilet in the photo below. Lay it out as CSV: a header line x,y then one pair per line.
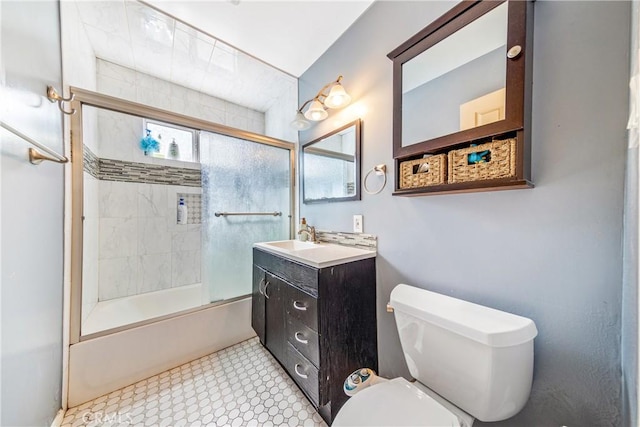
x,y
469,362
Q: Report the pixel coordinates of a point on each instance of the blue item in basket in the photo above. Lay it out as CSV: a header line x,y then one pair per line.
x,y
479,157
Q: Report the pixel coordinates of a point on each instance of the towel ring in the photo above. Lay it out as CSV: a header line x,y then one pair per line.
x,y
379,170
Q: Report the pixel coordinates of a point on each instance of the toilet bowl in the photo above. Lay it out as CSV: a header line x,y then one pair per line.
x,y
469,362
398,402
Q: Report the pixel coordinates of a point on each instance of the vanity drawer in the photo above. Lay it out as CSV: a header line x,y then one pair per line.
x,y
302,306
303,373
300,275
304,339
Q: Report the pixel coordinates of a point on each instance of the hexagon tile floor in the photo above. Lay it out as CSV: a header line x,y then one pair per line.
x,y
242,385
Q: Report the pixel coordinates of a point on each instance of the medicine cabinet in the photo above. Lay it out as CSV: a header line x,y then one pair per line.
x,y
465,79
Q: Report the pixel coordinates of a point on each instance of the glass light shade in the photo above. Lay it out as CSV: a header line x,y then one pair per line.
x,y
300,123
316,111
337,97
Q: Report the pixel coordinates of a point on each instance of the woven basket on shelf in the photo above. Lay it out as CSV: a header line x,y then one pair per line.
x,y
501,164
411,177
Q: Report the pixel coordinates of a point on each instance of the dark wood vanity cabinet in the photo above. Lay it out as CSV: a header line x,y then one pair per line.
x,y
320,324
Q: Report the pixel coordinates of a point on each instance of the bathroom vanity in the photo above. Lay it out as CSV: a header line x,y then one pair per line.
x,y
314,309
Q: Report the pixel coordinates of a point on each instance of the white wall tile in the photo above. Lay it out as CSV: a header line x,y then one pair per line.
x,y
118,237
154,98
185,267
155,84
118,199
153,236
90,246
213,102
110,70
118,46
118,277
152,200
79,59
213,114
119,135
90,129
90,278
256,126
155,272
186,240
177,104
235,121
117,88
109,15
188,48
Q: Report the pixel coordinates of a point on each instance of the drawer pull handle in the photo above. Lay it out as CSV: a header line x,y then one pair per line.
x,y
295,368
299,306
260,286
266,285
301,340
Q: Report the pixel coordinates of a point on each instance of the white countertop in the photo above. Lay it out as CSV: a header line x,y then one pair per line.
x,y
318,255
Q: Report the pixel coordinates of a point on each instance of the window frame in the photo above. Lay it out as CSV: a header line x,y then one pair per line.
x,y
195,138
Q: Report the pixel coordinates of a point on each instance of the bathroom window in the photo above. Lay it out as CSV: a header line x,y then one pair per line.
x,y
186,147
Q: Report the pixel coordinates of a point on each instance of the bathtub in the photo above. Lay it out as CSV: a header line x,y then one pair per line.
x,y
123,311
106,362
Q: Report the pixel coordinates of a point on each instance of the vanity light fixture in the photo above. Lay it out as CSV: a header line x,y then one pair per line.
x,y
317,111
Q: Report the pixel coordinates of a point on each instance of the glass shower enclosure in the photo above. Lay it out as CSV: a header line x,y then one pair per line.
x,y
134,262
246,194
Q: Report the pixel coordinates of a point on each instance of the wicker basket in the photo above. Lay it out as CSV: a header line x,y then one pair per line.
x,y
410,177
501,164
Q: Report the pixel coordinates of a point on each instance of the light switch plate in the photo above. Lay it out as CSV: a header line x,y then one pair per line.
x,y
357,223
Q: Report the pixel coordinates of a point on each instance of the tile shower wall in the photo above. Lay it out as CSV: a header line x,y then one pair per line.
x,y
141,247
137,245
132,85
90,281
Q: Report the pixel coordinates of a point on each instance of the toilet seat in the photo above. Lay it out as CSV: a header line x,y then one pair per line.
x,y
394,403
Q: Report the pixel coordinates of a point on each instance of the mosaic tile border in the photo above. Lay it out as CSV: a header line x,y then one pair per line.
x,y
144,173
123,171
367,241
91,162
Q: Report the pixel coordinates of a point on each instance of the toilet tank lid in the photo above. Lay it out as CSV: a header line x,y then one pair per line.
x,y
486,325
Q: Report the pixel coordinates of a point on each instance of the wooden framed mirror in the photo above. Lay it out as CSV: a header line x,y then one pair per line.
x,y
465,78
330,166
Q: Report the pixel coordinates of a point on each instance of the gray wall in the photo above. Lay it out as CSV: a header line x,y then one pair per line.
x,y
32,218
552,253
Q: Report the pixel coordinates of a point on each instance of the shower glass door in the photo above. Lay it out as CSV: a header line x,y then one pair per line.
x,y
247,198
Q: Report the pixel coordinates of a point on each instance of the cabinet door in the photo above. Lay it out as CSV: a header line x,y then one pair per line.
x,y
258,316
273,290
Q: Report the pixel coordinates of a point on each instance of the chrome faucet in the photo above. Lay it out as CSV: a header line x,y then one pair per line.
x,y
311,232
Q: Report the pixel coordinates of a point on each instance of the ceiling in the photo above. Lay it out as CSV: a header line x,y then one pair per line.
x,y
215,53
290,35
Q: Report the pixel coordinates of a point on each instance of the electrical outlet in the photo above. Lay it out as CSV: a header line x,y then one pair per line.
x,y
357,223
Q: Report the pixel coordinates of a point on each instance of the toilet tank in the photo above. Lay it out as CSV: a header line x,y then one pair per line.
x,y
478,358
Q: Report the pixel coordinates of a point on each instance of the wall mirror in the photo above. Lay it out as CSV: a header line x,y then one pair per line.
x,y
461,78
330,166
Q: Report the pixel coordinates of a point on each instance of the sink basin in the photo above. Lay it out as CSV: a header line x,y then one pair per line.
x,y
291,245
316,255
